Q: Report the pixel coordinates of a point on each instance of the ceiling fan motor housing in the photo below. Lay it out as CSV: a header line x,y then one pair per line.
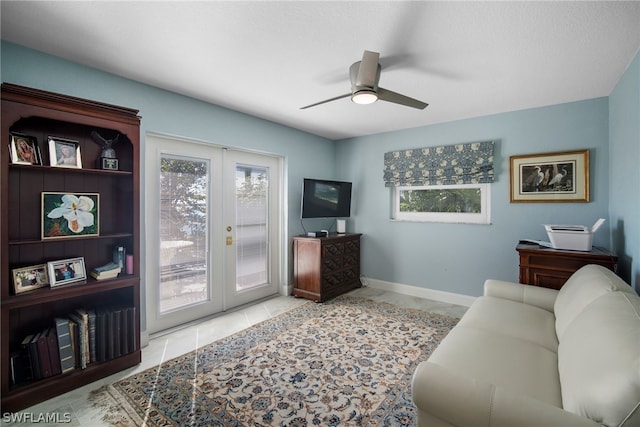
x,y
364,76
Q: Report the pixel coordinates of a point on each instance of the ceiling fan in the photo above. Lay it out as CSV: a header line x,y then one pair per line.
x,y
365,76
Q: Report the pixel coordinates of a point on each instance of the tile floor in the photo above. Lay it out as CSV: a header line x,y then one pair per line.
x,y
76,409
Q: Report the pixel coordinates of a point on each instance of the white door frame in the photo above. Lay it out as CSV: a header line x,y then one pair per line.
x,y
217,251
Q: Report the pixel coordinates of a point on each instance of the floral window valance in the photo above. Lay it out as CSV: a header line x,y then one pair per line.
x,y
470,163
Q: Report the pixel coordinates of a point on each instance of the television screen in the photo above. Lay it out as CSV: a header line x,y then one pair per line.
x,y
326,199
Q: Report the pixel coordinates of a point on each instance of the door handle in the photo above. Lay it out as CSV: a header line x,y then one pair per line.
x,y
229,240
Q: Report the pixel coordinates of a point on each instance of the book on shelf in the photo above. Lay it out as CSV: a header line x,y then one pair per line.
x,y
105,276
101,334
75,342
128,335
20,366
107,271
24,351
65,349
43,355
111,326
81,337
54,355
32,349
115,335
92,334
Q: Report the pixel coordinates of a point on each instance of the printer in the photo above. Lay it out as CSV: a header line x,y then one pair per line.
x,y
572,237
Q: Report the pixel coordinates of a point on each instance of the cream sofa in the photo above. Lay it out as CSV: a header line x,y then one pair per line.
x,y
530,356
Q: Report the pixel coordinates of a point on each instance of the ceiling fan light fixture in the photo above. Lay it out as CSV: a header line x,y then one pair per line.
x,y
364,97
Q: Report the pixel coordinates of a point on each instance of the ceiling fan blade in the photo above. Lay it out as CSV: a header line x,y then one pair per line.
x,y
390,96
326,100
369,70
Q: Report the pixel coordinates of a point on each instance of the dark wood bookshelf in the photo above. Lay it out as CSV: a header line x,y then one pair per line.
x,y
42,114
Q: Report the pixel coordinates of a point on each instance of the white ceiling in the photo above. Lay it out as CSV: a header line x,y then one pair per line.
x,y
268,59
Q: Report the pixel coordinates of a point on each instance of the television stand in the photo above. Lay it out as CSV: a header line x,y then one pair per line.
x,y
325,267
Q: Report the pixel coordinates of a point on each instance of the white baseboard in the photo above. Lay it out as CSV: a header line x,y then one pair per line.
x,y
415,291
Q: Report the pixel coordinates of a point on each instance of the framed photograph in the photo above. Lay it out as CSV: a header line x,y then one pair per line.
x,y
550,177
67,215
30,278
67,271
64,153
24,150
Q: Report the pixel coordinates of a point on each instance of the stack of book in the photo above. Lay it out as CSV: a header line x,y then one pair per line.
x,y
82,337
107,271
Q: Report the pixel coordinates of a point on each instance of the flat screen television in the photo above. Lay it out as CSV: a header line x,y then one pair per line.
x,y
326,199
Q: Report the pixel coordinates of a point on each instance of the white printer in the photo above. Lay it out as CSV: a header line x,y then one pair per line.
x,y
572,237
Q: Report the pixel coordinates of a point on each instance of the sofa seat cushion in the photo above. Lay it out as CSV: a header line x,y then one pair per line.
x,y
515,364
599,361
514,319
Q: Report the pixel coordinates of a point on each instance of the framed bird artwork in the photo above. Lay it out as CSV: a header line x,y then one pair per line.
x,y
550,177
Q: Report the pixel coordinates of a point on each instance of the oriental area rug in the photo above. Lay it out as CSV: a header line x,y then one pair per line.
x,y
346,362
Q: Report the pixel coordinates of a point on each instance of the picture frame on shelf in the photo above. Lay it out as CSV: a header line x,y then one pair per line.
x,y
29,278
24,150
68,215
67,271
64,153
550,177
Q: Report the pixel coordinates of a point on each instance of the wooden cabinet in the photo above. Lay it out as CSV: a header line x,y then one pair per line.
x,y
325,267
550,268
40,115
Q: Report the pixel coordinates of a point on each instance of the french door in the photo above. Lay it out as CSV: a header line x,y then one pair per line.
x,y
213,229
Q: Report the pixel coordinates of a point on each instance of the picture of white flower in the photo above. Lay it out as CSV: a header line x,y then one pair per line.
x,y
69,215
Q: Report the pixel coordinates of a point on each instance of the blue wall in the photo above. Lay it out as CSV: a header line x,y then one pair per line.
x,y
624,140
449,257
459,257
168,113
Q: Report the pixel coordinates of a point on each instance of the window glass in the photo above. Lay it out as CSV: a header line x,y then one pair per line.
x,y
466,203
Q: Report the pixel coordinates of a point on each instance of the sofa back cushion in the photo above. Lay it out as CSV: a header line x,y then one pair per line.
x,y
599,361
583,287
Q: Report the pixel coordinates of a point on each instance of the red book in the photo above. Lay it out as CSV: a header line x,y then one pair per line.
x,y
54,354
43,355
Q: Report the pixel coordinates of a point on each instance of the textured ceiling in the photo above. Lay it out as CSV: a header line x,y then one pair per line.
x,y
268,59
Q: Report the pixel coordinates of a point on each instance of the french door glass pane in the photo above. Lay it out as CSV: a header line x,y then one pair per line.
x,y
252,188
183,232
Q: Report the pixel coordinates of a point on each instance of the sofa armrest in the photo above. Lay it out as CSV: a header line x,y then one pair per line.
x,y
533,295
453,399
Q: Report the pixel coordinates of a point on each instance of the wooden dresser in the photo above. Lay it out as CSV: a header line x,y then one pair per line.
x,y
325,267
550,268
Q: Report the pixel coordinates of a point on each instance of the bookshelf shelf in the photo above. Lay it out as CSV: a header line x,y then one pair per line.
x,y
53,386
102,236
41,114
84,171
47,295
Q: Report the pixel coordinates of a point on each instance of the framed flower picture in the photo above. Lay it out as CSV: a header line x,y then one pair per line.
x,y
67,215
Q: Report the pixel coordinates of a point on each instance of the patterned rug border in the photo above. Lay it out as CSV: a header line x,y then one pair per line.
x,y
118,410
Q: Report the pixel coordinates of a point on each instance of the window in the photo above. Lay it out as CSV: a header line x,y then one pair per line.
x,y
463,203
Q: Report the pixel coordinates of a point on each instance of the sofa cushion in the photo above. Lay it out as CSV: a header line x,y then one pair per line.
x,y
599,361
516,364
514,319
583,287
